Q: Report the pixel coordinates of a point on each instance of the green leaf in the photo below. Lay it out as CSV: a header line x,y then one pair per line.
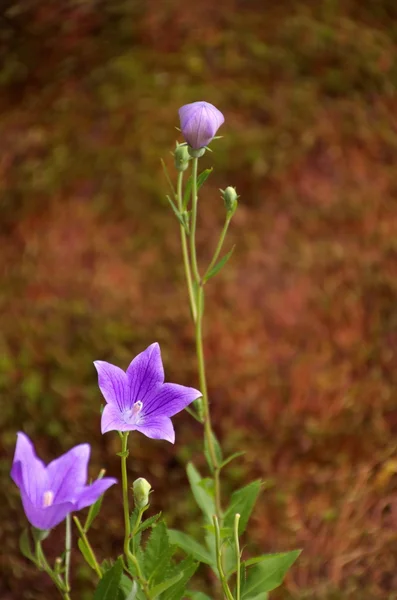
x,y
269,574
164,585
221,263
178,590
167,176
86,553
93,513
149,522
204,499
201,179
190,546
217,451
25,545
242,502
178,214
158,553
230,458
197,596
108,587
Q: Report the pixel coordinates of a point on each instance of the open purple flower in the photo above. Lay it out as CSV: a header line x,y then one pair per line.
x,y
49,493
139,399
199,123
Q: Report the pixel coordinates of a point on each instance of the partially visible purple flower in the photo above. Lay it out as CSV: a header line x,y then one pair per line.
x,y
49,493
199,123
139,399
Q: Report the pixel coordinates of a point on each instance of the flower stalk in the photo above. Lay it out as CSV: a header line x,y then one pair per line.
x,y
91,553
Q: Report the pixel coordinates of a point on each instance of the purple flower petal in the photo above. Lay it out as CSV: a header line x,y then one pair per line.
x,y
28,471
170,399
199,123
67,475
113,383
45,517
50,493
112,420
145,373
92,492
158,428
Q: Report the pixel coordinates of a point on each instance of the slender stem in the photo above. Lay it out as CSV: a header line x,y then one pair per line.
x,y
127,525
219,246
225,587
206,412
124,478
56,579
136,527
83,535
185,251
193,254
238,556
68,551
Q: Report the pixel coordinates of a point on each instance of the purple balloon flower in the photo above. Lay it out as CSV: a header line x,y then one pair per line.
x,y
49,493
199,123
139,399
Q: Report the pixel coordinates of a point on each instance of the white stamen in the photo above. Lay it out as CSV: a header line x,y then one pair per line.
x,y
137,407
48,498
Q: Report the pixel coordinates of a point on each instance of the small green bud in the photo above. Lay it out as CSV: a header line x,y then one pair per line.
x,y
230,197
196,153
141,489
181,157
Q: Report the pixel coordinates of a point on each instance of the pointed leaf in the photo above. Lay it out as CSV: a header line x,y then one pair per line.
x,y
158,553
188,567
86,553
217,451
164,585
230,458
216,268
25,545
178,214
201,179
242,502
268,575
197,596
150,522
190,546
202,497
109,585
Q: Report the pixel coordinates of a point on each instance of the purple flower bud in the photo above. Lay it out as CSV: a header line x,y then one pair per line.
x,y
49,493
199,123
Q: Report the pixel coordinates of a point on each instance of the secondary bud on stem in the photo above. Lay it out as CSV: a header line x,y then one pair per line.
x,y
181,157
141,488
230,197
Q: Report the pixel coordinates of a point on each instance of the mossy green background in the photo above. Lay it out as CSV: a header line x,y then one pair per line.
x,y
301,326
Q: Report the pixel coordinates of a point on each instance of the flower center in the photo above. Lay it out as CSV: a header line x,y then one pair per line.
x,y
48,498
131,415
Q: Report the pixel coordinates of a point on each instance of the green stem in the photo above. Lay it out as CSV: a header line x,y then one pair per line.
x,y
127,525
124,479
225,587
185,251
68,551
219,246
193,254
136,527
238,556
206,411
56,579
83,536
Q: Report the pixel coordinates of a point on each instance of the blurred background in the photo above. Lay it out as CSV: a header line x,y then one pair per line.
x,y
301,327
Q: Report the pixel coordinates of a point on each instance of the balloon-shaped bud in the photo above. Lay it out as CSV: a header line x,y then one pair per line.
x,y
230,198
181,157
199,123
141,488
